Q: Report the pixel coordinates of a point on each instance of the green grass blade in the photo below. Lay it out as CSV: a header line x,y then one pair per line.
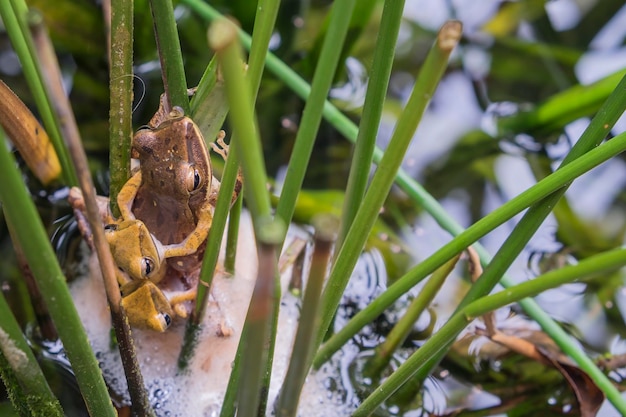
x,y
589,267
325,233
170,54
121,97
479,229
21,213
372,110
35,394
384,351
340,13
431,73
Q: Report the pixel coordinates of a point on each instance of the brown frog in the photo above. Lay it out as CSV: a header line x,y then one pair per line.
x,y
166,212
173,194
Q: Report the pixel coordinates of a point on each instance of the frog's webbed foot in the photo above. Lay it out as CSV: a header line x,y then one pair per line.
x,y
194,239
219,146
126,196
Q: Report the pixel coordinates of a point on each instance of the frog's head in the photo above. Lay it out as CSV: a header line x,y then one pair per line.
x,y
146,306
135,250
173,158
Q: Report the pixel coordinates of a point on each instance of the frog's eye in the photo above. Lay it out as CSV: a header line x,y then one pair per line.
x,y
110,227
167,319
193,179
147,266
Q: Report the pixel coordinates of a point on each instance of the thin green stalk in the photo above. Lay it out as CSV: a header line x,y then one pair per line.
x,y
229,404
233,235
340,15
14,15
121,97
525,229
429,77
591,267
602,263
214,240
372,110
264,22
34,389
466,238
383,352
222,38
325,233
259,320
562,108
267,11
170,54
21,213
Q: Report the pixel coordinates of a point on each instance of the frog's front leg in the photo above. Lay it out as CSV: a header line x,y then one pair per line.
x,y
194,239
126,196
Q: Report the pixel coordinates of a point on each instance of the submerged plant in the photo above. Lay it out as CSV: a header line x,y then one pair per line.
x,y
393,377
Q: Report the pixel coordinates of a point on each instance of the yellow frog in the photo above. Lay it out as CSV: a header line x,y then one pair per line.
x,y
145,304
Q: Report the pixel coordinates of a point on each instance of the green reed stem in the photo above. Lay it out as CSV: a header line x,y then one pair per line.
x,y
383,352
593,135
214,240
31,389
287,401
562,108
232,235
602,263
14,16
264,23
340,15
222,37
21,213
121,97
170,54
372,110
546,186
259,320
429,77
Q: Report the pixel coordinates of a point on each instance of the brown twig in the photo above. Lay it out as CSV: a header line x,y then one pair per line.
x,y
62,108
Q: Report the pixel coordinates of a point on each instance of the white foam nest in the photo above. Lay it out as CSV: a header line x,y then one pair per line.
x,y
197,392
